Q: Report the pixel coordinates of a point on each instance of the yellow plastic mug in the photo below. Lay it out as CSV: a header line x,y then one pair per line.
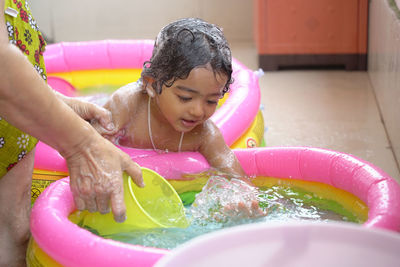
x,y
157,205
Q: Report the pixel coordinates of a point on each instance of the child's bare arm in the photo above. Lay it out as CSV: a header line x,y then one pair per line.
x,y
218,154
221,157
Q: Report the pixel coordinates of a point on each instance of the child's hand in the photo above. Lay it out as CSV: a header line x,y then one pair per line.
x,y
242,210
245,204
222,200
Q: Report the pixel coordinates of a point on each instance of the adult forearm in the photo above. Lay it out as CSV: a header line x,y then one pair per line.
x,y
30,105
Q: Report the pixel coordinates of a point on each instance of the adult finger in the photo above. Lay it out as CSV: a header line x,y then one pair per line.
x,y
102,199
134,171
79,203
99,128
87,193
104,117
118,205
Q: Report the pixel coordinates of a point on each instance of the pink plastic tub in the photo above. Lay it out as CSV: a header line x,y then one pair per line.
x,y
291,244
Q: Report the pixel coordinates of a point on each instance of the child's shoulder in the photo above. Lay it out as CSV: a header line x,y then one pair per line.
x,y
129,95
130,88
129,92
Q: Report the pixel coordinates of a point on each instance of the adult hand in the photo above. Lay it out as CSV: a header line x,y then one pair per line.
x,y
90,112
113,135
95,169
95,165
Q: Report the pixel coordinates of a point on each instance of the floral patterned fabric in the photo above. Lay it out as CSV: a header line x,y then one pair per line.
x,y
24,33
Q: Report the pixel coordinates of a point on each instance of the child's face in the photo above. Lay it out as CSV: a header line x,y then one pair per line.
x,y
190,102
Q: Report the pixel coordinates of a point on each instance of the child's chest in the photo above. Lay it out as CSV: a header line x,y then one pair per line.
x,y
138,135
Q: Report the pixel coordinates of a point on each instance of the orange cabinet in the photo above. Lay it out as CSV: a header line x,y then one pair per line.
x,y
311,33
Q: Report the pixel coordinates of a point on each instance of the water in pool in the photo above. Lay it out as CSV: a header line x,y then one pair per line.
x,y
206,213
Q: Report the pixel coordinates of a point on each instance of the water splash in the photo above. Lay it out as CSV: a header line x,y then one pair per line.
x,y
225,201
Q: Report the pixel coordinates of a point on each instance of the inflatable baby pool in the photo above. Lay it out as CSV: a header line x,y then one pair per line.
x,y
56,240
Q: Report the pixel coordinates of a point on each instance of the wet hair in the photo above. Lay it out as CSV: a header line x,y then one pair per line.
x,y
184,45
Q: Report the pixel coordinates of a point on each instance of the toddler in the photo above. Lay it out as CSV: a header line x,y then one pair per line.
x,y
179,89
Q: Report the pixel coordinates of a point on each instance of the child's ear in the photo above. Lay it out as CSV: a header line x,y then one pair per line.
x,y
150,91
149,88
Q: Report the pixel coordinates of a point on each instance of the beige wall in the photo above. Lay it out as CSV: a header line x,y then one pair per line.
x,y
81,20
384,66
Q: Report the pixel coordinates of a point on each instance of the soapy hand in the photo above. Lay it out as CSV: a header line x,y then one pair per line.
x,y
90,112
96,169
99,117
112,136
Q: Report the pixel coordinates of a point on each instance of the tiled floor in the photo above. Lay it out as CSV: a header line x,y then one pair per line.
x,y
328,109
